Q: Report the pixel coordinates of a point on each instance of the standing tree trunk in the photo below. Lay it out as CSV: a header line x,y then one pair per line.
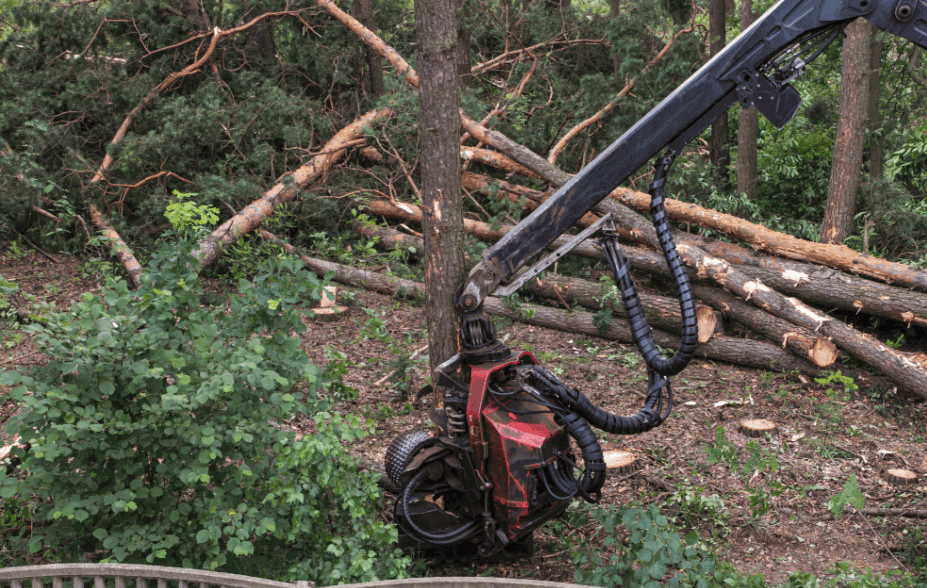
x,y
439,132
363,11
463,44
851,124
747,128
614,9
720,131
875,121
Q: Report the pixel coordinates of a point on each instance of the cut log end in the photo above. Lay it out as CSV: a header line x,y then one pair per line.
x,y
707,323
329,313
621,462
823,353
757,427
900,477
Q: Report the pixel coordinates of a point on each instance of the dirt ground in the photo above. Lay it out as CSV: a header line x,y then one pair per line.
x,y
825,435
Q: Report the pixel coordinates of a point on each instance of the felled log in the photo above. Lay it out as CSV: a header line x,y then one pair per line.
x,y
832,255
252,215
798,340
908,375
726,349
661,311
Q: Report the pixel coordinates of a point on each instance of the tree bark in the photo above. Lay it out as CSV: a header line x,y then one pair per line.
x,y
747,128
122,251
720,131
463,44
363,12
614,9
436,26
851,123
875,120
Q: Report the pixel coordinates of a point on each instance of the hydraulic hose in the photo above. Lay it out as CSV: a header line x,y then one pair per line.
x,y
650,416
640,329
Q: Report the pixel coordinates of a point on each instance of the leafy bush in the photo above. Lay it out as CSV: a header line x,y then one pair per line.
x,y
654,552
154,436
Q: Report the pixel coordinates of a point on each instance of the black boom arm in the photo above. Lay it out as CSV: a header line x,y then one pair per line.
x,y
755,68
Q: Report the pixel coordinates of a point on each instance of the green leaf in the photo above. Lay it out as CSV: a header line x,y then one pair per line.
x,y
202,536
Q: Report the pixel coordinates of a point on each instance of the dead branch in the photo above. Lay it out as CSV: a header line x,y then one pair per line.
x,y
506,99
519,53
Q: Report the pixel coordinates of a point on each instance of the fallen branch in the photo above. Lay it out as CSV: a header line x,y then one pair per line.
x,y
252,215
555,152
122,251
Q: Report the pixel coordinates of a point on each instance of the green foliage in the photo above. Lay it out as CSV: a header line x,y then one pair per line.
x,y
190,219
653,555
153,438
850,495
761,490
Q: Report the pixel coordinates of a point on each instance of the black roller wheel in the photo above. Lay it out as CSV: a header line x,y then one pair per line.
x,y
402,449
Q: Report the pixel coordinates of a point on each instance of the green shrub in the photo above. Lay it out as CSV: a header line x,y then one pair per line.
x,y
154,435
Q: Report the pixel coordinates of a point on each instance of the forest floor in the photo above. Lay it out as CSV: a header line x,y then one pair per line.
x,y
826,435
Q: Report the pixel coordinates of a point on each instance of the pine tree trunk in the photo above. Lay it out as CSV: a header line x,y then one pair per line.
x,y
851,124
439,133
463,45
363,11
720,131
614,9
747,128
875,121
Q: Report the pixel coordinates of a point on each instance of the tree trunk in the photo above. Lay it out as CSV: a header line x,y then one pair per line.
x,y
439,132
720,131
747,128
363,12
875,121
726,349
823,286
463,44
614,9
851,124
